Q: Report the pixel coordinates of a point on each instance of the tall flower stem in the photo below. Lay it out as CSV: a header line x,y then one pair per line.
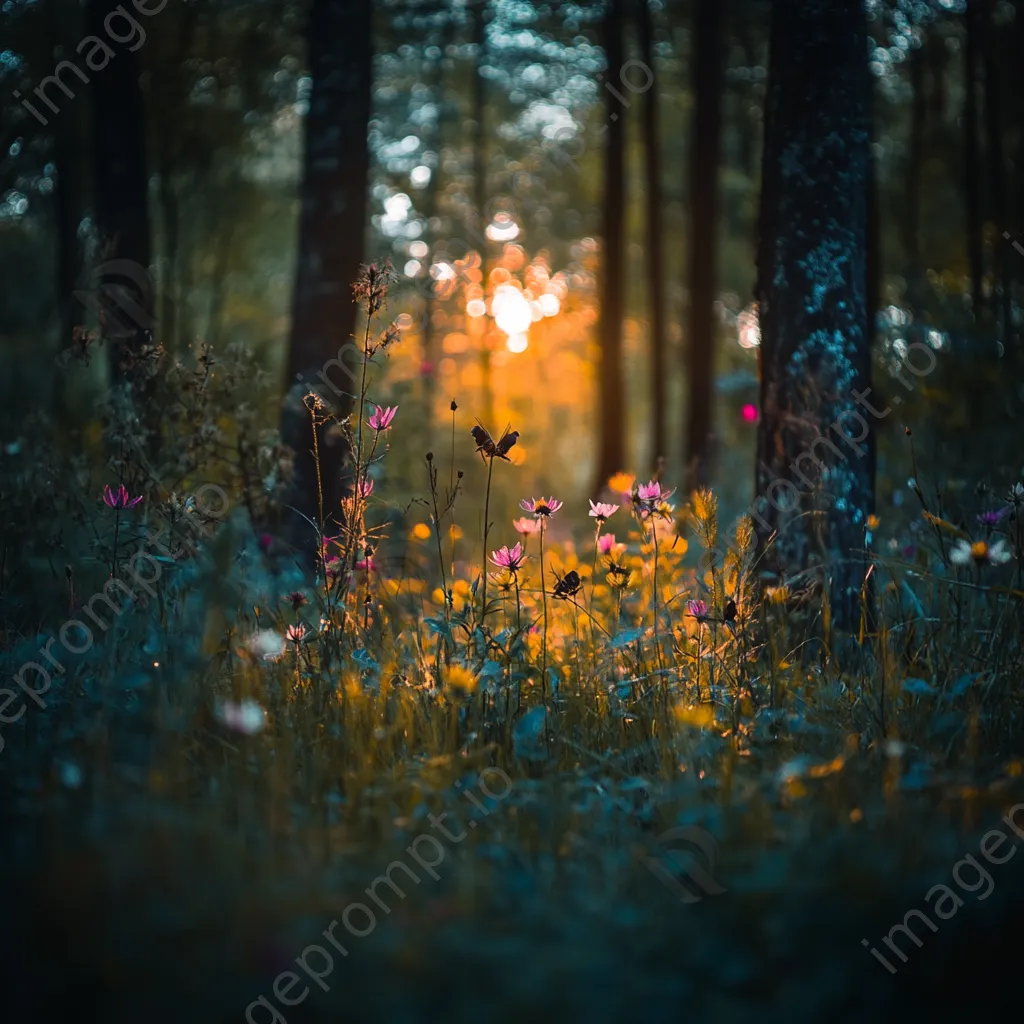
x,y
117,530
487,517
544,601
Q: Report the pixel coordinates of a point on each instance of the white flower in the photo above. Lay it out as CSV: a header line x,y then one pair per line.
x,y
1016,495
980,552
266,644
246,717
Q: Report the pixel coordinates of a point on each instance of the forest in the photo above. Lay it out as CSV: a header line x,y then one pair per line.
x,y
511,507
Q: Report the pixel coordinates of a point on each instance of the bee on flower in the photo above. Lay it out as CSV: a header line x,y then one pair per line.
x,y
980,553
542,508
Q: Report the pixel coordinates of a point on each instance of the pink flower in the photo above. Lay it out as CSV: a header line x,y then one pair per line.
x,y
541,507
365,488
381,417
698,609
649,497
993,517
606,543
509,558
367,564
527,527
601,511
296,633
119,498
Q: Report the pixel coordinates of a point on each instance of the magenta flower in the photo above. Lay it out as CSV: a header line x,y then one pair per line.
x,y
606,543
296,634
542,508
365,488
601,511
381,417
119,498
527,527
698,609
993,517
509,558
367,564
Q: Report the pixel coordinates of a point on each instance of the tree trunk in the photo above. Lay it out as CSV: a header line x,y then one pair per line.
x,y
972,157
703,257
915,162
121,183
331,240
611,414
480,188
815,367
655,247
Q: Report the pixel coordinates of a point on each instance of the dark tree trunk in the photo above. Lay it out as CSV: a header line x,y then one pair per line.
x,y
815,367
703,256
972,156
611,418
331,239
120,200
654,246
480,183
994,89
915,162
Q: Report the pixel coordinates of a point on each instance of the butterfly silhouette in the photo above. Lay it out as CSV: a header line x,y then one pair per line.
x,y
568,585
486,446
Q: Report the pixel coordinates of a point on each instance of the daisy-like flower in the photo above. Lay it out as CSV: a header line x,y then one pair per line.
x,y
527,527
542,508
266,644
119,498
993,517
246,717
296,634
606,543
979,552
698,609
381,417
1016,495
602,511
618,576
509,558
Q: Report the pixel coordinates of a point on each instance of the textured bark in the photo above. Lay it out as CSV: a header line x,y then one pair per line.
x,y
331,241
814,480
655,244
704,153
611,414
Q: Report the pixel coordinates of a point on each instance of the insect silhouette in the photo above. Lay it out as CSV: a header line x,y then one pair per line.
x,y
568,585
486,445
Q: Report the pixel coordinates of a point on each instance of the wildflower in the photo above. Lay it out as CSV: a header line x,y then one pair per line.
x,y
650,497
980,553
509,558
568,585
698,609
460,679
601,511
246,717
618,576
365,487
297,600
266,644
372,284
296,634
605,543
527,527
381,417
503,580
367,564
993,517
541,507
621,483
1016,495
119,499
